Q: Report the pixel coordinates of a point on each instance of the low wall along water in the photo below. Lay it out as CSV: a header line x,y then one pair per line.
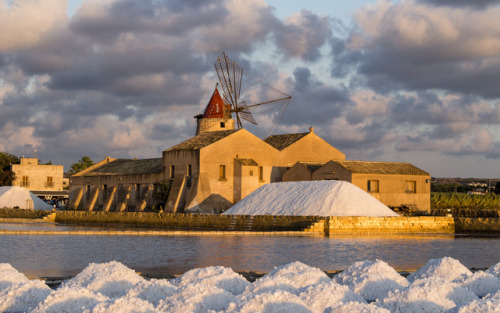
x,y
263,223
266,224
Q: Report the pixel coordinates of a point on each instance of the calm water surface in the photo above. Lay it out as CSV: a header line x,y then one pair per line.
x,y
66,255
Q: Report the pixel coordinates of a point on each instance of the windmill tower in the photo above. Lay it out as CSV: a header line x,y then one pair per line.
x,y
218,113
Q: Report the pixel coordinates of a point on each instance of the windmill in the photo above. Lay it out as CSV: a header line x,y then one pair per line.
x,y
234,82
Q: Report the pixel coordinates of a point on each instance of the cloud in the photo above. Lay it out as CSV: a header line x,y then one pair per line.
x,y
303,34
414,46
24,23
124,78
477,4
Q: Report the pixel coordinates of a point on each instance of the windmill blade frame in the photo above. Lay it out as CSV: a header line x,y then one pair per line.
x,y
231,79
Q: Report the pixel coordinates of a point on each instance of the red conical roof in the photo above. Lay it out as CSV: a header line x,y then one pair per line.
x,y
215,107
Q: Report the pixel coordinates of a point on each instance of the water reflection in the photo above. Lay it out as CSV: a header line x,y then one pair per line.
x,y
66,255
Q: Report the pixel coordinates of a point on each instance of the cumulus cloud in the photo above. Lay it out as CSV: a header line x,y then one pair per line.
x,y
303,34
125,78
24,23
410,45
478,4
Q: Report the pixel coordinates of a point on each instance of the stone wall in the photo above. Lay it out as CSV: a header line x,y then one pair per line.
x,y
189,221
477,225
399,224
319,225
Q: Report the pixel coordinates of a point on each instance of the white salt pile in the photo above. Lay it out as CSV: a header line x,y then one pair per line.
x,y
305,198
14,196
441,286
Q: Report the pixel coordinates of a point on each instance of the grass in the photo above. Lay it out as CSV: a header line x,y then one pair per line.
x,y
465,205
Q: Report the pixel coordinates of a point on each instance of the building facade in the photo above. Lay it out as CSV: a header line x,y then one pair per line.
x,y
115,185
395,184
45,181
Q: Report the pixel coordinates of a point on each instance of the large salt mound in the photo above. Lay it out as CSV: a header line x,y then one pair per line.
x,y
13,196
305,198
441,286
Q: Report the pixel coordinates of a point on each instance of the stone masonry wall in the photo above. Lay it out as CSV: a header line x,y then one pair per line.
x,y
480,225
320,225
189,221
399,224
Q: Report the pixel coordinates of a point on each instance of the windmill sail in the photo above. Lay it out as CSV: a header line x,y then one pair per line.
x,y
258,95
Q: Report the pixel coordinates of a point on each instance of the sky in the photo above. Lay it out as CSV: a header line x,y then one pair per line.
x,y
408,81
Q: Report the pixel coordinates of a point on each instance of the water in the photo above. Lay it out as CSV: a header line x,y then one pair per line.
x,y
67,255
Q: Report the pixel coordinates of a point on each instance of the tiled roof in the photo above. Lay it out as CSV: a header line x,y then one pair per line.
x,y
312,166
202,140
247,162
280,142
365,167
130,167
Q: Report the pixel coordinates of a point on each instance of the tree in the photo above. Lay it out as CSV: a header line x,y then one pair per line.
x,y
6,174
82,164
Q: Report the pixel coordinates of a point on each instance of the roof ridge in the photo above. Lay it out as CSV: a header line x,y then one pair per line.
x,y
202,140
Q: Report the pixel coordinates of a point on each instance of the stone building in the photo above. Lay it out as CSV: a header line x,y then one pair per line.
x,y
213,170
220,165
45,181
115,185
397,185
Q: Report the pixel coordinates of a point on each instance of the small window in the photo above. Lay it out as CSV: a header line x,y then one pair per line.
x,y
105,192
261,173
137,191
49,183
373,186
410,186
87,192
222,172
172,171
188,171
222,125
251,173
25,182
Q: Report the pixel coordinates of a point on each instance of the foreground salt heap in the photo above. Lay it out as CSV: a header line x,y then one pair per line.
x,y
441,286
306,198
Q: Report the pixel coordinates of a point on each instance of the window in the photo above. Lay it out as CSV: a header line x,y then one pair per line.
x,y
172,171
137,191
222,125
104,192
25,182
373,186
410,186
50,182
87,193
222,172
188,176
261,173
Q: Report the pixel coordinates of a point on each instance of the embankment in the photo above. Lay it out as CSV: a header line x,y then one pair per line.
x,y
477,225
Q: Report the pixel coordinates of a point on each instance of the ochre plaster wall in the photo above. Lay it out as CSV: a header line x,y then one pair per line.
x,y
309,148
392,189
37,175
216,194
